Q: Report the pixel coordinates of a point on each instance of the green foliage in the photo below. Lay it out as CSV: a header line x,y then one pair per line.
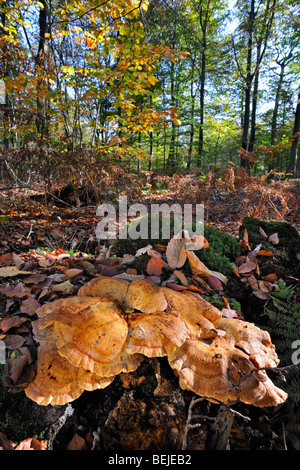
x,y
223,248
284,315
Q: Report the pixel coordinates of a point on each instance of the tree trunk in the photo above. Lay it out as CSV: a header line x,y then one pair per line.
x,y
249,78
192,116
276,105
296,130
254,104
41,62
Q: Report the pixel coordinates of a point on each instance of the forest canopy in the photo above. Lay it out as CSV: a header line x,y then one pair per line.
x,y
156,84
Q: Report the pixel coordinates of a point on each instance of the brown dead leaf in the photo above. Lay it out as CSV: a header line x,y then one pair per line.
x,y
244,243
247,267
214,283
77,443
265,286
154,266
66,287
274,238
29,306
262,232
70,273
14,341
176,253
196,265
11,271
9,322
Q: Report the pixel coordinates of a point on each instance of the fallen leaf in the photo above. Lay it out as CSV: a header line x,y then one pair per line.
x,y
247,267
32,444
70,273
144,250
29,306
244,243
265,253
10,271
176,253
5,444
9,322
274,238
271,277
265,286
196,265
17,260
179,274
14,341
63,287
35,278
214,283
77,443
154,266
261,295
262,232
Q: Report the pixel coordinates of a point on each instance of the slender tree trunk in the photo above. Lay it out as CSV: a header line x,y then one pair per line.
x,y
41,62
254,104
202,94
248,85
171,156
276,105
296,131
192,116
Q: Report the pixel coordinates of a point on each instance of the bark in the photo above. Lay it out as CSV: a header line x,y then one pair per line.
x,y
276,105
41,63
296,131
254,104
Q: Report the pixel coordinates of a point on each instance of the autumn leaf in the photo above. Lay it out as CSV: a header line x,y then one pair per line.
x,y
154,266
244,243
265,253
196,265
176,253
77,443
10,271
274,238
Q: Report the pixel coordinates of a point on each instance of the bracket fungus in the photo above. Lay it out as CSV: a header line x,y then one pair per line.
x,y
112,325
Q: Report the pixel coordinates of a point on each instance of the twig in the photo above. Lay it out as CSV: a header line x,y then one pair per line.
x,y
188,424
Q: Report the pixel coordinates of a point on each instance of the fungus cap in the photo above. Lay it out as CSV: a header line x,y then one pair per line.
x,y
252,340
108,287
217,370
156,334
95,337
145,296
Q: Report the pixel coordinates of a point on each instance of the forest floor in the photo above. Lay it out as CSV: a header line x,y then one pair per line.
x,y
37,233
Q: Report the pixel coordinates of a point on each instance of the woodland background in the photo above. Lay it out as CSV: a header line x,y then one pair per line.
x,y
176,85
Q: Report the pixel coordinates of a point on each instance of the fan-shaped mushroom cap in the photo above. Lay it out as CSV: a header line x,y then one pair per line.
x,y
56,381
217,370
108,287
95,337
51,307
90,381
252,340
65,311
156,334
185,302
145,296
193,311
